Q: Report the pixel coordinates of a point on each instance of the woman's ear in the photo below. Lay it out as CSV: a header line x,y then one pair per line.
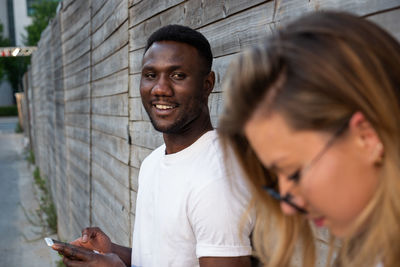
x,y
366,137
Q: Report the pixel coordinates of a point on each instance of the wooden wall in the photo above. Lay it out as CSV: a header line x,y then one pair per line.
x,y
84,91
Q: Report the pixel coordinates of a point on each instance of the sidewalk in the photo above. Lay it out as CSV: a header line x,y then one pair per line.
x,y
21,240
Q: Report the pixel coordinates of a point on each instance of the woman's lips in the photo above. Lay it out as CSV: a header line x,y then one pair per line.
x,y
319,222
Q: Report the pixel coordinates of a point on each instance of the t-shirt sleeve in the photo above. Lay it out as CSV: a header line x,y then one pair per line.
x,y
216,215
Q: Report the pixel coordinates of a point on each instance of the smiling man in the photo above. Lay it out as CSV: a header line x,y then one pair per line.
x,y
187,213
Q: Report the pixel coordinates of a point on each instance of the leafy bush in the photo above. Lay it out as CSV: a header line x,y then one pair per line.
x,y
8,111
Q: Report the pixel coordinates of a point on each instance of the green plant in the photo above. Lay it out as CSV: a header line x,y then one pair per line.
x,y
18,128
60,263
31,157
47,210
8,111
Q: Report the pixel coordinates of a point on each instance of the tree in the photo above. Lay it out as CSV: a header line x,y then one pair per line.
x,y
4,42
43,12
14,68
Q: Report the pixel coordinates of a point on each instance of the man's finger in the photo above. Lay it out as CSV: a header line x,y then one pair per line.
x,y
76,242
73,263
73,252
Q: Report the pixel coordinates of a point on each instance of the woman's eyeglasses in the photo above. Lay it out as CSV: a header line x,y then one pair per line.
x,y
273,189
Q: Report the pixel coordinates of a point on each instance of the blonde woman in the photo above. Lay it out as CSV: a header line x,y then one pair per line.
x,y
314,118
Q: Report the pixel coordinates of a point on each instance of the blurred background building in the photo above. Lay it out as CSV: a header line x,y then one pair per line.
x,y
14,16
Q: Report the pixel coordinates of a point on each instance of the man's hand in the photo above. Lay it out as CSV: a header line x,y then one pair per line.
x,y
95,239
79,257
243,261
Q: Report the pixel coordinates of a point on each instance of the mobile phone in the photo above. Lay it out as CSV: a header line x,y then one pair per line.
x,y
50,242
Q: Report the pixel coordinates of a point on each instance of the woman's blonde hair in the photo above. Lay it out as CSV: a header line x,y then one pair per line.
x,y
317,72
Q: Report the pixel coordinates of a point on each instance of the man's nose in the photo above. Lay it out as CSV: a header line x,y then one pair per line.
x,y
162,87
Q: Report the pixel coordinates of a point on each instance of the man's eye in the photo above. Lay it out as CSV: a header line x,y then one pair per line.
x,y
295,176
149,75
178,76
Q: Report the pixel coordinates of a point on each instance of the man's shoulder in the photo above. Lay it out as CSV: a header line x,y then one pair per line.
x,y
156,154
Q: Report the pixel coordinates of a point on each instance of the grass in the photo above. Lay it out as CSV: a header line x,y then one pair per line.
x,y
18,128
60,263
47,209
31,157
8,111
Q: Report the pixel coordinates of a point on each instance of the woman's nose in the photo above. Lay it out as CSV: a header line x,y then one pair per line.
x,y
288,190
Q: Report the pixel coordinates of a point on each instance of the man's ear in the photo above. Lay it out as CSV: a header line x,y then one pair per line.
x,y
366,137
209,83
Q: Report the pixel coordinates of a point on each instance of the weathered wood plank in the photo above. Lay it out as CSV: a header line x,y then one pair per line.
x,y
76,39
242,30
288,10
146,9
79,148
143,134
78,164
111,228
115,146
78,65
75,19
138,154
80,106
78,134
96,5
116,105
114,189
215,104
134,182
79,50
104,13
135,61
138,35
115,84
79,92
390,21
77,120
111,24
134,85
112,125
77,79
116,41
112,64
114,167
136,110
220,66
200,13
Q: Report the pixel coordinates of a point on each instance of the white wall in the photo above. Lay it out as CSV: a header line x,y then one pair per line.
x,y
3,17
6,97
21,20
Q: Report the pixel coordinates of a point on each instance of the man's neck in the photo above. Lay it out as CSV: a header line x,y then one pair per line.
x,y
177,142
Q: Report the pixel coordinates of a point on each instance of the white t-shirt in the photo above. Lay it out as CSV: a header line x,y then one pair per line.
x,y
187,208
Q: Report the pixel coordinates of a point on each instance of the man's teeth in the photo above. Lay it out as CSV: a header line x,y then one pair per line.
x,y
163,107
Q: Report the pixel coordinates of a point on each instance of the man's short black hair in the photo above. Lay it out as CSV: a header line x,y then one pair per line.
x,y
183,34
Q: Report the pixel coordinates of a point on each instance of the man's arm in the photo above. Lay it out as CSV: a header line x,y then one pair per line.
x,y
225,261
123,252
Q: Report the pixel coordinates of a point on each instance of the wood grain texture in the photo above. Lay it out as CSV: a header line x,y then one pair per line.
x,y
116,41
114,84
115,146
119,16
112,64
116,105
288,10
143,10
118,170
110,124
390,21
104,13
